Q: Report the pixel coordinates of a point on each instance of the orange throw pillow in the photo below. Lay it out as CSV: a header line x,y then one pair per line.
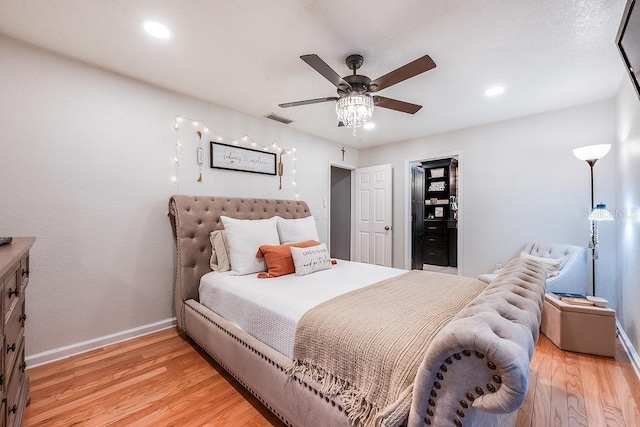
x,y
278,258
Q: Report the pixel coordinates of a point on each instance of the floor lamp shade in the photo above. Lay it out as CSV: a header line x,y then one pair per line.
x,y
592,152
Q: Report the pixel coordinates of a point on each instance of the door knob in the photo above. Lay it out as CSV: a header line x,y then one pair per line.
x,y
386,227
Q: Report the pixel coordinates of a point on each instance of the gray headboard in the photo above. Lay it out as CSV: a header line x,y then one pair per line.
x,y
193,218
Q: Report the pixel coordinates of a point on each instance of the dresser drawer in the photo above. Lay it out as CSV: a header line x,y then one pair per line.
x,y
435,255
11,292
435,226
15,391
24,272
14,332
435,239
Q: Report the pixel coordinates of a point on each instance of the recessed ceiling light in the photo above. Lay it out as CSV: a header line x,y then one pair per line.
x,y
368,125
156,29
494,91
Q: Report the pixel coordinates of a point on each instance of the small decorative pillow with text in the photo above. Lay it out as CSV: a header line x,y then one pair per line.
x,y
278,258
297,230
219,251
245,237
311,259
550,265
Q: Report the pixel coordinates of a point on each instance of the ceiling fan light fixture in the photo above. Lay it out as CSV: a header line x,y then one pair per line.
x,y
354,109
368,125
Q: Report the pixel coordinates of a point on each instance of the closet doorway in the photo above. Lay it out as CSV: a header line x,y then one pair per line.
x,y
340,218
434,221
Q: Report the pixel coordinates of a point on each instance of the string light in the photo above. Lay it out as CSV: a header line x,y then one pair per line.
x,y
237,141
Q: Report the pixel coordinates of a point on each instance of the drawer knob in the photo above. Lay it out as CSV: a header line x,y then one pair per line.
x,y
22,318
13,292
11,347
23,366
1,379
13,409
25,273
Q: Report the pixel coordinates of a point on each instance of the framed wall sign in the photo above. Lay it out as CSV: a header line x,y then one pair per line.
x,y
232,157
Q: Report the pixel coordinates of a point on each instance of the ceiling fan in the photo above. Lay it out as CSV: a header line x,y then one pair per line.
x,y
354,103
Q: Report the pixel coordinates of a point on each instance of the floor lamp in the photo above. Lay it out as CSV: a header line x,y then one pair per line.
x,y
591,154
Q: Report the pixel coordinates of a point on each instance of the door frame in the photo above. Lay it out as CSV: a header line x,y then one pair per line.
x,y
407,204
351,168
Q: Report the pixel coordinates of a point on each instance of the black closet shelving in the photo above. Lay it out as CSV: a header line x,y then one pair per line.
x,y
440,222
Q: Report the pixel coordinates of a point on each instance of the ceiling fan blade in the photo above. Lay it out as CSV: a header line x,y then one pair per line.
x,y
327,72
394,104
308,101
403,73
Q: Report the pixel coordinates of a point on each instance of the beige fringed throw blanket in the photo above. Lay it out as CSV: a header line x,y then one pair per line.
x,y
366,346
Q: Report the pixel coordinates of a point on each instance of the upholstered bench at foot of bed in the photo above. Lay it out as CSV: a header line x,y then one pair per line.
x,y
478,365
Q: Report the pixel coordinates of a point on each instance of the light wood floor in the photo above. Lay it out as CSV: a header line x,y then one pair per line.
x,y
163,380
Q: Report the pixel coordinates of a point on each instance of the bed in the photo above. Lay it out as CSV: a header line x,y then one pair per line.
x,y
475,370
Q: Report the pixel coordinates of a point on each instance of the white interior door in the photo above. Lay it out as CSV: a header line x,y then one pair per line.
x,y
373,225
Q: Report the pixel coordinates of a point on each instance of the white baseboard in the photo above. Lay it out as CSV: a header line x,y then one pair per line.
x,y
96,343
628,347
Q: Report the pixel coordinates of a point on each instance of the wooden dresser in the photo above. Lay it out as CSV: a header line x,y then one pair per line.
x,y
14,277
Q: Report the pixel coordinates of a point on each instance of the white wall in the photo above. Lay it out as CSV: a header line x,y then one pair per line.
x,y
86,159
520,182
628,218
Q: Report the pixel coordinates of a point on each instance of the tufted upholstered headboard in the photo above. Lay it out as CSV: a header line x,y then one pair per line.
x,y
193,218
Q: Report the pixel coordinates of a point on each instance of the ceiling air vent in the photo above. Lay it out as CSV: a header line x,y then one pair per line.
x,y
278,118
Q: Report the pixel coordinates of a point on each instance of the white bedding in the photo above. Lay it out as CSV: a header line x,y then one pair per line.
x,y
269,309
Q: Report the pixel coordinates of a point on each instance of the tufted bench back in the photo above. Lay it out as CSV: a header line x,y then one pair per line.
x,y
193,218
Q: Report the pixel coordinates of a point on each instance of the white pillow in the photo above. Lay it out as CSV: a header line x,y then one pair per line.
x,y
297,230
311,259
551,265
245,238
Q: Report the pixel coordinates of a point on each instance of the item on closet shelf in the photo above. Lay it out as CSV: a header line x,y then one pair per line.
x,y
437,186
434,201
437,173
427,202
439,212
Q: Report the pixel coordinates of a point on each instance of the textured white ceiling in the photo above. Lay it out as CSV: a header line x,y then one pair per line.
x,y
244,55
